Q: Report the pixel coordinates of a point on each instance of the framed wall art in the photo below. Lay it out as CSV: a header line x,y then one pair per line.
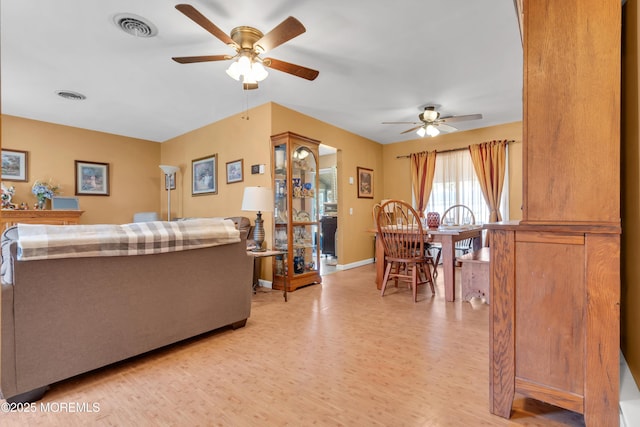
x,y
170,182
235,171
204,175
92,178
14,165
365,183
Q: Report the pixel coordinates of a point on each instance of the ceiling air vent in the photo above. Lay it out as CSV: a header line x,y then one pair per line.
x,y
135,25
67,94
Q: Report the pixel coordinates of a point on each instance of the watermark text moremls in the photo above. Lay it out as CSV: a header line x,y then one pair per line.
x,y
80,407
54,407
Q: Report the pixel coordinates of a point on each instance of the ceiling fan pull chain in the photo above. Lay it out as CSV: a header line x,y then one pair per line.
x,y
245,116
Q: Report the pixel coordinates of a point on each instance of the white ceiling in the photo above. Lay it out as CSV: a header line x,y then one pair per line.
x,y
378,61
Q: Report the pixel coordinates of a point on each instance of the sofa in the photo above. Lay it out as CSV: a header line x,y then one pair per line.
x,y
67,314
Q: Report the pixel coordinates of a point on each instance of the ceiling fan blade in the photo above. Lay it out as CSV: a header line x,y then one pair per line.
x,y
249,86
453,119
201,20
286,67
446,128
401,123
192,59
283,32
411,130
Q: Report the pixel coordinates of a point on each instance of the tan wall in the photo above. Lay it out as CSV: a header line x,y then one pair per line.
x,y
233,138
397,175
630,295
52,149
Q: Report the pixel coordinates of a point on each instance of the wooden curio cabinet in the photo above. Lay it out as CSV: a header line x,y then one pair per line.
x,y
294,160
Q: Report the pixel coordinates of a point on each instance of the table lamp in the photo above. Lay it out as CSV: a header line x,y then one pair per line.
x,y
258,199
168,172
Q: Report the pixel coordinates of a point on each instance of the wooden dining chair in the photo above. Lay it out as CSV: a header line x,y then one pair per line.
x,y
458,215
404,246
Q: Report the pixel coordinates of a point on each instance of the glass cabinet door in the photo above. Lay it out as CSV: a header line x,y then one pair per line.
x,y
304,210
281,194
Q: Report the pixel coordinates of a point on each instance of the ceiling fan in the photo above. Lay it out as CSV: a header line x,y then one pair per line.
x,y
249,43
431,123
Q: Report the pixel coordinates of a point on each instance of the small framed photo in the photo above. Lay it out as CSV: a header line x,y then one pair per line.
x,y
92,178
170,182
365,183
14,165
235,171
204,172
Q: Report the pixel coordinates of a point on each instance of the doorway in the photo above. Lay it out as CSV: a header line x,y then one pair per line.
x,y
328,211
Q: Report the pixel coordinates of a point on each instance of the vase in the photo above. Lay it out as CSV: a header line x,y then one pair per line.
x,y
433,219
42,204
298,264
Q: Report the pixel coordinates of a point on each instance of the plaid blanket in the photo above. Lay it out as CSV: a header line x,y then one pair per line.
x,y
143,238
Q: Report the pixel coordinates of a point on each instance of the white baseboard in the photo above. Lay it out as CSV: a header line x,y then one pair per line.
x,y
268,284
354,264
629,397
265,283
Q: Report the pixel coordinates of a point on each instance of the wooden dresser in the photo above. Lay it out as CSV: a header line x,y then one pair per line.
x,y
53,217
555,275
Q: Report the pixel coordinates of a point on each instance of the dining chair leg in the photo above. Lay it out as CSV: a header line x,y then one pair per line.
x,y
387,272
414,281
431,279
425,270
397,272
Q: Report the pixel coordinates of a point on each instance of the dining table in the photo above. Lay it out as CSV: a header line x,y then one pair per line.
x,y
447,236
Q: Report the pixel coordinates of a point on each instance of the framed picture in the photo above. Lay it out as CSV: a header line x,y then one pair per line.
x,y
170,182
204,175
92,178
234,171
14,165
365,183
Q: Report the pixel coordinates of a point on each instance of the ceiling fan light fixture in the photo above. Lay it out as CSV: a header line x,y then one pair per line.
x,y
250,70
259,72
249,80
432,131
421,132
244,65
233,71
430,115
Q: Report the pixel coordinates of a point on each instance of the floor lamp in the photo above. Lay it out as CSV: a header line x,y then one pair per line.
x,y
169,171
258,199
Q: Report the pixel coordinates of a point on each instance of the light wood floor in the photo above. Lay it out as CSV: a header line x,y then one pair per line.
x,y
336,354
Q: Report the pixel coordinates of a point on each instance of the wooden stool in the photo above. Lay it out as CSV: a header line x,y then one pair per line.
x,y
475,275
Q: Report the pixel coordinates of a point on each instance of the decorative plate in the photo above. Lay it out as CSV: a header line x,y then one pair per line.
x,y
303,216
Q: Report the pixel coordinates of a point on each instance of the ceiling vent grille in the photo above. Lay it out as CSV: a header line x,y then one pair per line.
x,y
135,25
67,94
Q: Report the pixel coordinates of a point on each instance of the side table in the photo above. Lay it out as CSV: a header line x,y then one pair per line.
x,y
265,254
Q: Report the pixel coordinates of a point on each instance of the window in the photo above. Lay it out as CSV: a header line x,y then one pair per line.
x,y
455,182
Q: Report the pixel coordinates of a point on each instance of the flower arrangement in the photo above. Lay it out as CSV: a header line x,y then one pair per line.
x,y
44,190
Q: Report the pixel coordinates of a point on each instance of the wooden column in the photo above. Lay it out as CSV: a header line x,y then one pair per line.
x,y
555,276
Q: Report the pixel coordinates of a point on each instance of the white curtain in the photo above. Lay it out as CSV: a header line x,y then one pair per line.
x,y
455,182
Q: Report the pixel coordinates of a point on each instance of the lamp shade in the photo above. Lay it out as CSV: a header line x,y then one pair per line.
x,y
257,199
168,170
